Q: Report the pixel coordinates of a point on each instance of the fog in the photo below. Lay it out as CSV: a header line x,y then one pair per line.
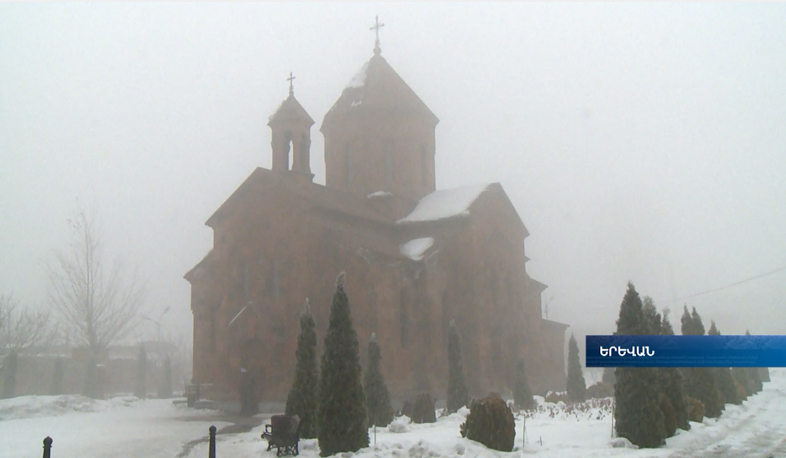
x,y
641,143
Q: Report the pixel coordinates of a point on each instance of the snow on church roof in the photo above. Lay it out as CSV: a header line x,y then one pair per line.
x,y
414,249
445,204
359,80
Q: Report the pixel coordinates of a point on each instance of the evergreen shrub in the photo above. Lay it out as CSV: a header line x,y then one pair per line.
x,y
696,410
669,416
421,409
342,417
491,423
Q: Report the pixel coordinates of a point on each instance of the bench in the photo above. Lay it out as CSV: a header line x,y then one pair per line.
x,y
193,393
284,434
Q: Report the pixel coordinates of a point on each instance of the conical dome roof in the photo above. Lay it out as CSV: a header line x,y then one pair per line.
x,y
290,111
378,89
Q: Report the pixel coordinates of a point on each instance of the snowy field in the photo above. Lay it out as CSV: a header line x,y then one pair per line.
x,y
128,427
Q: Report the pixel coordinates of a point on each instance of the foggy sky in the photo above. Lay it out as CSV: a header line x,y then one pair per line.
x,y
637,142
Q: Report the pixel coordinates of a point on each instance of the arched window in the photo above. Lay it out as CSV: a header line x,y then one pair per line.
x,y
403,319
348,158
212,340
276,275
287,148
389,162
245,282
305,147
424,166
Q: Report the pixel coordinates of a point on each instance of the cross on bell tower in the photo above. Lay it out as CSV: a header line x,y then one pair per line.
x,y
377,25
291,86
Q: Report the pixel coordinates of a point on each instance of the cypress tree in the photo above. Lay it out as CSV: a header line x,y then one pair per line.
x,y
742,375
700,381
671,383
608,376
723,376
458,393
577,387
698,326
764,374
686,327
57,378
638,414
522,395
755,375
341,420
140,390
651,316
380,412
303,397
655,326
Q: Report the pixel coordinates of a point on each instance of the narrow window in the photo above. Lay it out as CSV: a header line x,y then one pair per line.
x,y
287,148
424,168
305,147
348,157
403,318
275,279
245,282
213,330
389,162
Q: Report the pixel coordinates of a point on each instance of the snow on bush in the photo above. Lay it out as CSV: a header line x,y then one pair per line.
x,y
591,409
621,442
399,425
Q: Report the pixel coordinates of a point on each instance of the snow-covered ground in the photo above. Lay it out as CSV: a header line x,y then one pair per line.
x,y
83,428
128,427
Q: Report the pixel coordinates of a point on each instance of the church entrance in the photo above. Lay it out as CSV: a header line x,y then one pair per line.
x,y
251,376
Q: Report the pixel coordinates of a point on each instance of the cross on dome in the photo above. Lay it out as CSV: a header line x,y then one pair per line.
x,y
377,25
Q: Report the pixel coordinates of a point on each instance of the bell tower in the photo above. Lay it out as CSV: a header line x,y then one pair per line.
x,y
291,126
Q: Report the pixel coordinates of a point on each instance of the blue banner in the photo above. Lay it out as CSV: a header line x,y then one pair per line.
x,y
686,351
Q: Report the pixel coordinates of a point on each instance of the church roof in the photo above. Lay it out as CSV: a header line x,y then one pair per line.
x,y
378,88
446,203
459,203
555,324
290,110
200,268
323,197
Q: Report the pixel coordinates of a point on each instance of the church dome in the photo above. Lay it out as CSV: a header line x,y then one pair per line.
x,y
378,90
379,136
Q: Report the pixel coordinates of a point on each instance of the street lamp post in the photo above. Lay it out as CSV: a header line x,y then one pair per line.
x,y
157,322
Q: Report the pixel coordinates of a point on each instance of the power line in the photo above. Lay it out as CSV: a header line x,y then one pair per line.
x,y
755,277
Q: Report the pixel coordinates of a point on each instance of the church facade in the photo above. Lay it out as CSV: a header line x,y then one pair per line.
x,y
415,257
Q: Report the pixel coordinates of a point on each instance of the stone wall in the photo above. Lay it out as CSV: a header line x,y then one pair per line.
x,y
34,376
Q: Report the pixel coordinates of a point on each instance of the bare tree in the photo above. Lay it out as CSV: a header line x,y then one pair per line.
x,y
21,329
99,305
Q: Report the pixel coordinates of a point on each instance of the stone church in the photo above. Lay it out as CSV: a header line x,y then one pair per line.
x,y
415,257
